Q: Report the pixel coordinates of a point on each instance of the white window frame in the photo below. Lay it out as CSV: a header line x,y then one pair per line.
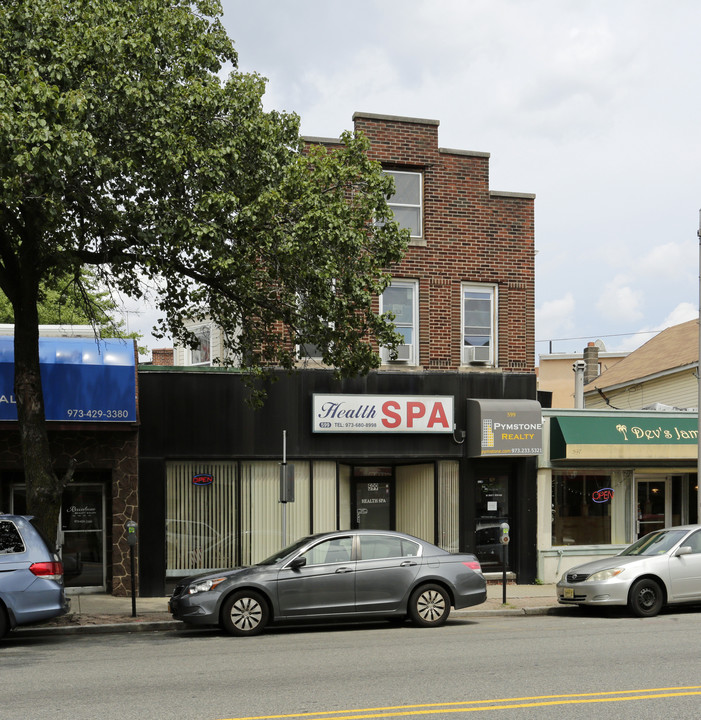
x,y
475,355
192,353
418,205
408,354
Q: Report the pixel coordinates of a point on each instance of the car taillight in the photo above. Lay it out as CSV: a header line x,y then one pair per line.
x,y
49,570
473,565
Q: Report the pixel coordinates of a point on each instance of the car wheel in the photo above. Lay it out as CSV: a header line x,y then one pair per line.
x,y
429,606
244,613
646,598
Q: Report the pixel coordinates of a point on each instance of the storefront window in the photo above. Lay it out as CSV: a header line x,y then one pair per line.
x,y
200,528
581,509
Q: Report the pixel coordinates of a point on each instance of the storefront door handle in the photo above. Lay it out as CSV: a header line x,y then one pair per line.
x,y
344,570
408,563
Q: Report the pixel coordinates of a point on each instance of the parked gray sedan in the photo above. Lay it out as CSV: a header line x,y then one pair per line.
x,y
335,576
661,568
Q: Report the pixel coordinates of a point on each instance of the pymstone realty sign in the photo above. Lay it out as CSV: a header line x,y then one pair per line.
x,y
506,427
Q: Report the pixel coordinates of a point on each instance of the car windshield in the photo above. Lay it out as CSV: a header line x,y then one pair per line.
x,y
655,543
280,554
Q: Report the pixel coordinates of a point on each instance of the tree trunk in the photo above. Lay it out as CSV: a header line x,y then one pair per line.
x,y
43,486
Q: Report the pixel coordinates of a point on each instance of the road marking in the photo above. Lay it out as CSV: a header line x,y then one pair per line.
x,y
482,705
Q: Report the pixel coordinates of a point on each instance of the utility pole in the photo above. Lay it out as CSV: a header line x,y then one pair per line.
x,y
698,403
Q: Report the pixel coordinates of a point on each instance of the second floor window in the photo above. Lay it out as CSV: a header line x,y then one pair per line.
x,y
406,202
479,325
201,355
401,299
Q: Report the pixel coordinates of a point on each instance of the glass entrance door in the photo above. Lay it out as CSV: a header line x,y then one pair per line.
x,y
654,505
492,509
373,506
83,542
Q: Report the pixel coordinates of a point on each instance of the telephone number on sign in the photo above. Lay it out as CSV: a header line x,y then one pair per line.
x,y
355,425
97,414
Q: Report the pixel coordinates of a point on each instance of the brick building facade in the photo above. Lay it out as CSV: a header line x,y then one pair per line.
x,y
467,234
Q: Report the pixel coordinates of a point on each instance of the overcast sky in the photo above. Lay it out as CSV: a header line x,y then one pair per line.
x,y
593,105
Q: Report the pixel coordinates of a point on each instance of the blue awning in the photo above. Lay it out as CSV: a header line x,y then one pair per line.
x,y
83,379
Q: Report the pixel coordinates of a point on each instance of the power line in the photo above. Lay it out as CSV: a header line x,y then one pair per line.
x,y
589,337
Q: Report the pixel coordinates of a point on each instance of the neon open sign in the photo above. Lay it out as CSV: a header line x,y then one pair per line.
x,y
202,479
603,495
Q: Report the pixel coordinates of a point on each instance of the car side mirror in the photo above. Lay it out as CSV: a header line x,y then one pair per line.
x,y
297,563
684,550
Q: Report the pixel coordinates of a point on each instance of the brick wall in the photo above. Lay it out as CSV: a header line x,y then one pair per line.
x,y
162,356
471,234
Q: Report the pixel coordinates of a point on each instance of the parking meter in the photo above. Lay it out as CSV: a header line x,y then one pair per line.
x,y
504,540
131,540
131,532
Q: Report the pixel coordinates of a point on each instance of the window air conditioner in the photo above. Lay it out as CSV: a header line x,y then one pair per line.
x,y
476,355
403,354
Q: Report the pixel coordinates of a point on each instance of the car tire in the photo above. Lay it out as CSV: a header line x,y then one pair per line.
x,y
244,613
429,606
645,598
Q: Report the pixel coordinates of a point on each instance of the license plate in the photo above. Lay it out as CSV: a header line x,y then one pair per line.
x,y
569,594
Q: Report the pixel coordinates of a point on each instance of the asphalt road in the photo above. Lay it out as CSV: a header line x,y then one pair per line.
x,y
576,665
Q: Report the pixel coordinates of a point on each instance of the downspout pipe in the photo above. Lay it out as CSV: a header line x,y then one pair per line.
x,y
579,367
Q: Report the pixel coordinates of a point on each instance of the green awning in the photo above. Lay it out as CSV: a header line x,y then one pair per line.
x,y
623,438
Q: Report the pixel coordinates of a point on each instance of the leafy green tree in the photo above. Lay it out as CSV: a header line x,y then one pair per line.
x,y
125,148
74,301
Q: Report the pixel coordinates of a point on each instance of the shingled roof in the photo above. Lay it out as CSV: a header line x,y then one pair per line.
x,y
675,348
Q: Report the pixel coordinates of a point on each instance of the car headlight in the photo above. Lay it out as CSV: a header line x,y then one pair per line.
x,y
203,585
604,575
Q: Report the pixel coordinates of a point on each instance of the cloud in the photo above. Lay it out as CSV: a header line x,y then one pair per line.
x,y
680,314
555,318
619,302
669,261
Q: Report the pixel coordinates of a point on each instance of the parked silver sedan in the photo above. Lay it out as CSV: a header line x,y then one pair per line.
x,y
335,576
661,568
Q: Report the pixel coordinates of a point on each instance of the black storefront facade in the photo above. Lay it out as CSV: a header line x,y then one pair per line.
x,y
209,465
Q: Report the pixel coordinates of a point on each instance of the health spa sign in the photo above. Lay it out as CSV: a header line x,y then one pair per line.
x,y
382,413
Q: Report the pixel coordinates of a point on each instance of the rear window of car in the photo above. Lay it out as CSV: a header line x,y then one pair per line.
x,y
10,539
378,547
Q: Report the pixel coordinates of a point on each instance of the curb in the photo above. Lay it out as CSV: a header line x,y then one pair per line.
x,y
166,625
38,631
545,610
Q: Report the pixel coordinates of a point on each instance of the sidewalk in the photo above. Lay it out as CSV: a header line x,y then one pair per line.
x,y
101,613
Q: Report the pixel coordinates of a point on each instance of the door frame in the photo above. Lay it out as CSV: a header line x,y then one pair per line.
x,y
356,480
667,481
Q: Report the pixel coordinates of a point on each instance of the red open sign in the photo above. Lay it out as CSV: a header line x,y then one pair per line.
x,y
603,495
